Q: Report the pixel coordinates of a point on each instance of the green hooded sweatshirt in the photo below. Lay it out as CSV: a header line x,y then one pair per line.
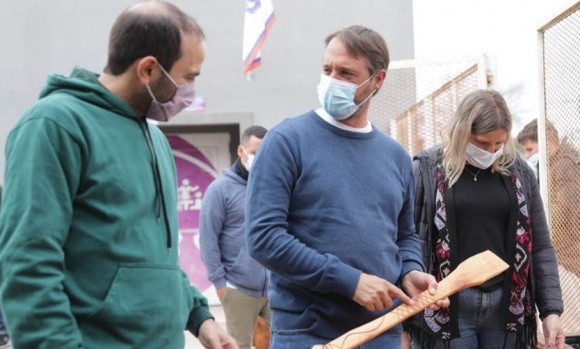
x,y
88,227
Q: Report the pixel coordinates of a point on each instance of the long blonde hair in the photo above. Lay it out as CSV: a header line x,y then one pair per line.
x,y
480,112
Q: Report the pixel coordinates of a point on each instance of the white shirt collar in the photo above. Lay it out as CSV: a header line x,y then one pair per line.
x,y
326,117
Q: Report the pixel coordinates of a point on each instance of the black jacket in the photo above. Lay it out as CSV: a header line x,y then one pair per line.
x,y
545,284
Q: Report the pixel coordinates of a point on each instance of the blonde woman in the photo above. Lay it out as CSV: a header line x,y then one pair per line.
x,y
474,193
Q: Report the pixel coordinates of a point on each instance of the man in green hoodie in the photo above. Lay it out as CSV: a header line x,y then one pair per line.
x,y
88,231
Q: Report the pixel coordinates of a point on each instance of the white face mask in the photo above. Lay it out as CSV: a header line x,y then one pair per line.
x,y
250,160
481,158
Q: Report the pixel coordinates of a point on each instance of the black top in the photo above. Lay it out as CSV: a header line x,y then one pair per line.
x,y
482,209
545,288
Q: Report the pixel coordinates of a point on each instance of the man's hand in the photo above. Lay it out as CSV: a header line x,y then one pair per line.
x,y
415,282
553,333
211,336
221,293
375,293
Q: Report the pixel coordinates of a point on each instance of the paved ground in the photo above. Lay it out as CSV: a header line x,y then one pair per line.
x,y
191,342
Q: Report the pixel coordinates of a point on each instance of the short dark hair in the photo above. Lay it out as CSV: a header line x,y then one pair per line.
x,y
256,131
363,42
137,33
529,132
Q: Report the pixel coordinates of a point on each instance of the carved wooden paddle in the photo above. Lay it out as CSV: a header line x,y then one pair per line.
x,y
471,272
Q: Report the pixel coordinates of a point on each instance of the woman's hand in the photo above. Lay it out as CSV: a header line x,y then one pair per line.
x,y
553,333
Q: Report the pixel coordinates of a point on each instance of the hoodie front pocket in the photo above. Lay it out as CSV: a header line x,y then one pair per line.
x,y
146,303
247,272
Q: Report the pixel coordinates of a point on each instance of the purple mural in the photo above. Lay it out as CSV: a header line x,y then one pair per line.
x,y
194,174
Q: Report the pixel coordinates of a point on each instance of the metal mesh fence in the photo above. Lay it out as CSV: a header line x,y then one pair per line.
x,y
417,99
559,133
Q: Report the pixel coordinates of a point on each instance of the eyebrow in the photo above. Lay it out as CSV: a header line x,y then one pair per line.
x,y
347,70
192,74
340,68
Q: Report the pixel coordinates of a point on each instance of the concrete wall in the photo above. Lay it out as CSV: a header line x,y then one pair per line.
x,y
38,37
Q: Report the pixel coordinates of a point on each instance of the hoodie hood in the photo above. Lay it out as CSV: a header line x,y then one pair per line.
x,y
85,85
231,173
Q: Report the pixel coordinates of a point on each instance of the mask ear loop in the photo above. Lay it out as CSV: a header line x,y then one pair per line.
x,y
366,99
370,95
246,152
167,75
367,80
151,92
170,79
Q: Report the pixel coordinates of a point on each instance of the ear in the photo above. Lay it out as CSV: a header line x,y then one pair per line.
x,y
240,151
379,79
145,69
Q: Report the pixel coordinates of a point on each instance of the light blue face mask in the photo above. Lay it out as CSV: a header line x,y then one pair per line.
x,y
534,160
337,97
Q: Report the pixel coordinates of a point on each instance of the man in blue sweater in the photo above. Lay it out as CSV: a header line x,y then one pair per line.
x,y
240,281
330,207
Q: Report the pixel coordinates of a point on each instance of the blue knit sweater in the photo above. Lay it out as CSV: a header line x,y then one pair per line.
x,y
324,205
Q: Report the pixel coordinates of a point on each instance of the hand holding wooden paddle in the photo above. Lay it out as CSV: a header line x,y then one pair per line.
x,y
471,272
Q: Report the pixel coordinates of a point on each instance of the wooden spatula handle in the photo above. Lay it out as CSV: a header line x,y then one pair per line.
x,y
370,330
471,272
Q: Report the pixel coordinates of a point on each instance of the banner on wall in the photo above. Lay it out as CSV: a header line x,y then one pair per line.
x,y
194,174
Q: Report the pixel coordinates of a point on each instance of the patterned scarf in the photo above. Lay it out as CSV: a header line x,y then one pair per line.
x,y
520,301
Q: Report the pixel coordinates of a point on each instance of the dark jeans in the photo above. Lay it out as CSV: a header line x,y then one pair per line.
x,y
479,325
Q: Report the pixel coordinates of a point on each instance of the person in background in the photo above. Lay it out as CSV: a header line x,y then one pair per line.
x,y
563,194
88,231
330,207
563,188
474,193
528,140
240,282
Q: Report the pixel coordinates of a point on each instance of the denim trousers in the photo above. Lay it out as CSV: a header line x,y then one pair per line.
x,y
479,322
302,340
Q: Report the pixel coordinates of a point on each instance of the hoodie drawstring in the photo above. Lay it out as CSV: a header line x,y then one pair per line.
x,y
162,208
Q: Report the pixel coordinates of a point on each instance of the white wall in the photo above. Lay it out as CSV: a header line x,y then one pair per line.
x,y
504,29
39,36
